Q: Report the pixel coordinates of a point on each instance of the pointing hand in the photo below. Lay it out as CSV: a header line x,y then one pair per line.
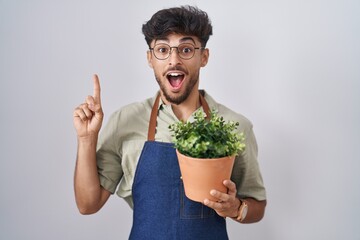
x,y
88,116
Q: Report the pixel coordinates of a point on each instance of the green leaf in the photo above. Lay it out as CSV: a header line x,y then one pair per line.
x,y
207,139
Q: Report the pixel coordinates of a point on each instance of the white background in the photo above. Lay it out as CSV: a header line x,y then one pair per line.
x,y
291,66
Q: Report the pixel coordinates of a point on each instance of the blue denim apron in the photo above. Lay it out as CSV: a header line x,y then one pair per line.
x,y
161,209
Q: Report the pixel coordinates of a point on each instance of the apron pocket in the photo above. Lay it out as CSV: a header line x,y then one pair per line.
x,y
190,209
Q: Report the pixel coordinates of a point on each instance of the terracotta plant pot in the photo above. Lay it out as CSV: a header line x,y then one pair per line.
x,y
201,175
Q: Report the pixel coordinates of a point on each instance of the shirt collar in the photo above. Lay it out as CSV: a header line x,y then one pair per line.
x,y
211,102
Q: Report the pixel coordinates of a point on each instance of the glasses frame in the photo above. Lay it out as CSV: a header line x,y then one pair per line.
x,y
177,49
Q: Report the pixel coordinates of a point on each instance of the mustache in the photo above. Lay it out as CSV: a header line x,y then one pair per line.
x,y
176,68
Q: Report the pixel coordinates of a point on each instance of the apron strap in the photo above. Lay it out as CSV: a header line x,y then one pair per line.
x,y
154,114
153,117
205,105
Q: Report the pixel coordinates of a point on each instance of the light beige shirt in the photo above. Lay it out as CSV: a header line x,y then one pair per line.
x,y
122,139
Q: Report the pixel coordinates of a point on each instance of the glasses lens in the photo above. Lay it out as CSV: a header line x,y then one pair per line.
x,y
186,50
161,51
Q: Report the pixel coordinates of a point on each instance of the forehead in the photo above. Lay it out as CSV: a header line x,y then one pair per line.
x,y
174,38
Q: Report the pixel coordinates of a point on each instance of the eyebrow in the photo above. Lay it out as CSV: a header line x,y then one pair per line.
x,y
184,39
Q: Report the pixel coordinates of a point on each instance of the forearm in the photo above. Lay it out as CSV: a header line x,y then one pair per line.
x,y
256,210
88,192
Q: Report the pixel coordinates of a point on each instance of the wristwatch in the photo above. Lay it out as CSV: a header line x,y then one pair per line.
x,y
243,209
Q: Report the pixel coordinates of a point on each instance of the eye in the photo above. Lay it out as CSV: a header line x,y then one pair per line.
x,y
187,49
162,49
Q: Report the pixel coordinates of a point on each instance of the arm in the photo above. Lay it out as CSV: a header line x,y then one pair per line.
x,y
89,194
228,204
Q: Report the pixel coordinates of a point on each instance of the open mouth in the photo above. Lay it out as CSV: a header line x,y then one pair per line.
x,y
175,79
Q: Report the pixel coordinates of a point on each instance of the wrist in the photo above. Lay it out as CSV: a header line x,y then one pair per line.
x,y
236,211
90,140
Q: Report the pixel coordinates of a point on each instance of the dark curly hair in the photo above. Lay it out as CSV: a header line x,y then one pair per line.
x,y
186,20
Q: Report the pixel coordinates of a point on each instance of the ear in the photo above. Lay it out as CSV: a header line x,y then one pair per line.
x,y
204,57
149,58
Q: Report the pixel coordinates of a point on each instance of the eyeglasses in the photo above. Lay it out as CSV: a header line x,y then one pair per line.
x,y
185,50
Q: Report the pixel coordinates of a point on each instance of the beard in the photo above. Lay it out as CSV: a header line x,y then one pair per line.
x,y
178,99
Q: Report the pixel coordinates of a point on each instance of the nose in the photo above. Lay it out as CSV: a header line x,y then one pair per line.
x,y
174,58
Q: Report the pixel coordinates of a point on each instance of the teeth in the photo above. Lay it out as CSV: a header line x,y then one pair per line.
x,y
174,74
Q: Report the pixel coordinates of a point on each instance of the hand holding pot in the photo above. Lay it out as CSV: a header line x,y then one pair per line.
x,y
228,203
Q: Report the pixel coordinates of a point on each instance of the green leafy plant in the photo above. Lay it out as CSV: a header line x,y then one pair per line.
x,y
204,138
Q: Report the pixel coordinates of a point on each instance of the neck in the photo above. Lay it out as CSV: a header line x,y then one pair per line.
x,y
184,110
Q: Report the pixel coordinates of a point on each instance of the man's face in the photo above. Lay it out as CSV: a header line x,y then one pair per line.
x,y
177,77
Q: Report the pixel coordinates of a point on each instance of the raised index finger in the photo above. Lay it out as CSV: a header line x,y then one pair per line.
x,y
96,89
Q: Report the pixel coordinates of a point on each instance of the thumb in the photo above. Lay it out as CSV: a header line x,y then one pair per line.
x,y
231,187
94,107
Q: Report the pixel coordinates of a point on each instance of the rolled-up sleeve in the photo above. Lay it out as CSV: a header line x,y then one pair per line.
x,y
246,173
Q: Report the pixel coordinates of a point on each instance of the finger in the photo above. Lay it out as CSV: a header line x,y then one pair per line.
x,y
86,110
97,89
214,205
83,114
231,187
79,114
219,195
94,107
90,101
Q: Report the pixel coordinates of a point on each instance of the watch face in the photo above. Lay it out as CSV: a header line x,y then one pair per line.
x,y
244,212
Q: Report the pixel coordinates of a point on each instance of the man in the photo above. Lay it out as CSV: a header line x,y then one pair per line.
x,y
134,153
